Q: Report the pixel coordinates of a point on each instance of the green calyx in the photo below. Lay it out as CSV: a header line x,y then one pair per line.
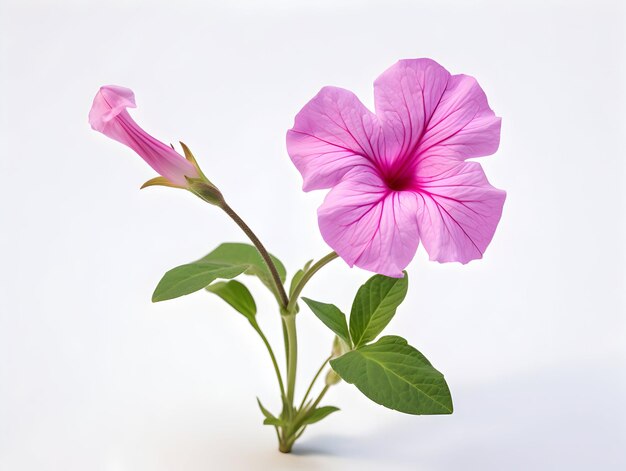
x,y
200,186
206,191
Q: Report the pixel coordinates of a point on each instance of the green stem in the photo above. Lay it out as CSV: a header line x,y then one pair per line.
x,y
291,305
319,398
308,391
274,362
280,289
298,428
292,357
293,429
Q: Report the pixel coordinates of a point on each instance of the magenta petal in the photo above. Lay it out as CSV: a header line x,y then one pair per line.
x,y
425,110
458,210
108,115
109,102
368,225
331,134
462,126
406,96
400,175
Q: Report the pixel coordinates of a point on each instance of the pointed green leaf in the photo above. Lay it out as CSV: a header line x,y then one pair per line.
x,y
269,418
392,373
232,253
374,306
237,295
226,262
273,421
264,411
331,316
318,414
193,277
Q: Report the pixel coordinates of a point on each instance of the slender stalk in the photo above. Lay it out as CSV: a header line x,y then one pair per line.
x,y
274,362
298,427
308,391
319,398
292,357
280,289
306,277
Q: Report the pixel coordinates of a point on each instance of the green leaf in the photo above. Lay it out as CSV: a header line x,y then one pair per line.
x,y
232,253
193,277
269,418
318,414
237,295
392,373
331,316
226,261
273,421
374,306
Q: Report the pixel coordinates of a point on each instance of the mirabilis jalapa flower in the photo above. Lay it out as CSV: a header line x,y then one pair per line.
x,y
401,175
108,115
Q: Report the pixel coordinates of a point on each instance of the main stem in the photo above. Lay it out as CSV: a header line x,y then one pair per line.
x,y
288,433
292,358
293,428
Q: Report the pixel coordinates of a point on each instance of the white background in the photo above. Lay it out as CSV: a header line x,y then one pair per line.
x,y
95,377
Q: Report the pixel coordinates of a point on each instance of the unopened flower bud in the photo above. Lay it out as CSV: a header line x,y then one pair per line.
x,y
339,347
332,378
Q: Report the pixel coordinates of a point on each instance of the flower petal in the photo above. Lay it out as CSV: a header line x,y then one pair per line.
x,y
458,209
462,126
406,96
368,225
108,115
424,109
332,133
110,101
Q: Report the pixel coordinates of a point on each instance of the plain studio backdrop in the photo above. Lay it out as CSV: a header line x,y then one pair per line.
x,y
93,376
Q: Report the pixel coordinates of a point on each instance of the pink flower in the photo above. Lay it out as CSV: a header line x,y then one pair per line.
x,y
401,175
108,115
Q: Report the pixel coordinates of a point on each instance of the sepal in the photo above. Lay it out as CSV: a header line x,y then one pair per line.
x,y
190,157
159,181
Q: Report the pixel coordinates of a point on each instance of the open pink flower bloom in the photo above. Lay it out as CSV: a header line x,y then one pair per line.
x,y
108,115
401,175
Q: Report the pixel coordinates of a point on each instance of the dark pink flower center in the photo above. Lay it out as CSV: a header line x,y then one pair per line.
x,y
401,177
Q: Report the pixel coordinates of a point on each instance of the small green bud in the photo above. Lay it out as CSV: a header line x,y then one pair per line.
x,y
332,378
339,347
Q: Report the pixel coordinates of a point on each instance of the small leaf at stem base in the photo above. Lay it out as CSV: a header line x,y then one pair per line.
x,y
318,414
